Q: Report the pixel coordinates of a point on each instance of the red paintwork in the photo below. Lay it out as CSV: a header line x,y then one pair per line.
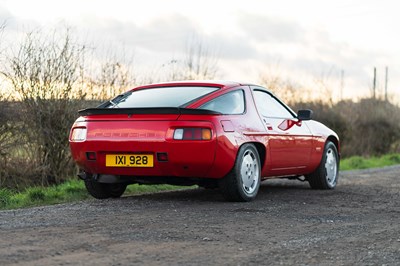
x,y
287,147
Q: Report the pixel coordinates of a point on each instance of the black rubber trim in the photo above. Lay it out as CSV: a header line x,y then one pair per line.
x,y
158,110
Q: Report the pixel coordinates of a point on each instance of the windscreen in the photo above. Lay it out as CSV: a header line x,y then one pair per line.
x,y
161,97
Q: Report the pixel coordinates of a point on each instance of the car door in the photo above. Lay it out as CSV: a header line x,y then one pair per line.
x,y
289,140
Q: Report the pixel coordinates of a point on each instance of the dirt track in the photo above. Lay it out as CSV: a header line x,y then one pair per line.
x,y
288,224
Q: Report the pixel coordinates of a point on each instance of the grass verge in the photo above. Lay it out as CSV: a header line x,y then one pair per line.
x,y
70,191
357,162
74,190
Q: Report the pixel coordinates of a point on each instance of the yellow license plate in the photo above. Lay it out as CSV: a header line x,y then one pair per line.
x,y
129,160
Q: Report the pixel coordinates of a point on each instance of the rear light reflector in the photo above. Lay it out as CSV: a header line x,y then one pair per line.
x,y
192,134
162,157
91,156
79,134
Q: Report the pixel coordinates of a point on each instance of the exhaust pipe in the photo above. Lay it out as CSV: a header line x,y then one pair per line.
x,y
83,175
110,179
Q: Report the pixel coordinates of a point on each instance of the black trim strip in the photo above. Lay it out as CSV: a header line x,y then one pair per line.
x,y
149,110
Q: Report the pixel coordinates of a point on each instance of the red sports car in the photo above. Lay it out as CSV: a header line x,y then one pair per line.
x,y
214,134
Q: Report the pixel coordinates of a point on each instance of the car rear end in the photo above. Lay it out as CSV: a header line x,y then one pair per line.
x,y
137,142
144,145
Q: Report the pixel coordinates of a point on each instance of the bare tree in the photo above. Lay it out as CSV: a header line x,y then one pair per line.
x,y
198,63
107,74
44,74
284,88
7,127
323,87
319,89
115,77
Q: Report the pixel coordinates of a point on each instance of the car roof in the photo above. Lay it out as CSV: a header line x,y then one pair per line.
x,y
207,83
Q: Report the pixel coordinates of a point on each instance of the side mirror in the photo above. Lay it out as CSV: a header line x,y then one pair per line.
x,y
304,115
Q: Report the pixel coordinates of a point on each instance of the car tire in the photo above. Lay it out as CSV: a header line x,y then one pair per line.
x,y
243,182
327,173
104,191
116,190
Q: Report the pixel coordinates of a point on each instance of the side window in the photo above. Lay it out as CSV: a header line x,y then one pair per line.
x,y
231,103
268,106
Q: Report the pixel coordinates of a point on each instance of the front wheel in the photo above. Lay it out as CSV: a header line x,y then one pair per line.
x,y
327,174
243,182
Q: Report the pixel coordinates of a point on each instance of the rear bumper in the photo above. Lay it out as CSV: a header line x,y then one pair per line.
x,y
193,159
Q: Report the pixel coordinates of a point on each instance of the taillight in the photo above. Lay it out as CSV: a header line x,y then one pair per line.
x,y
192,134
79,134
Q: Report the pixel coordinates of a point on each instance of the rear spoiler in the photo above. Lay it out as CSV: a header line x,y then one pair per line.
x,y
147,110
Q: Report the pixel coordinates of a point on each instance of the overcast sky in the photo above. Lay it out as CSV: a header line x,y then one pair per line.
x,y
300,40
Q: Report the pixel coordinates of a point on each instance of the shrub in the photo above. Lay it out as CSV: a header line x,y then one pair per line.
x,y
5,196
393,158
8,139
368,127
374,128
45,74
36,194
329,115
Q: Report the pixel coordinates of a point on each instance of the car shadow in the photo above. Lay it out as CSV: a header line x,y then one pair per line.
x,y
268,189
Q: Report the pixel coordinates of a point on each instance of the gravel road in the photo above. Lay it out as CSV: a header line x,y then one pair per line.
x,y
358,223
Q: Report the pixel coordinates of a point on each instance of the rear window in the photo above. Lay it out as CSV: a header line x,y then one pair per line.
x,y
161,97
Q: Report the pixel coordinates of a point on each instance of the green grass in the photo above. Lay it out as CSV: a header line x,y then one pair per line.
x,y
74,190
70,191
357,162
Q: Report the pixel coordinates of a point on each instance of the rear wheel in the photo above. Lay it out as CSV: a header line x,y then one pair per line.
x,y
116,190
243,182
327,173
104,191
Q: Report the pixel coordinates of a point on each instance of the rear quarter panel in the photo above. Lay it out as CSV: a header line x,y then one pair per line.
x,y
230,132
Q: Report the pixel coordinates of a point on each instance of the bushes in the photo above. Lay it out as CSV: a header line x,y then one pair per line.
x,y
45,75
49,78
8,140
328,115
6,128
5,197
38,152
367,128
375,128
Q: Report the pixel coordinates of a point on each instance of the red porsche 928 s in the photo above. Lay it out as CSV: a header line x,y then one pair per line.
x,y
222,135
